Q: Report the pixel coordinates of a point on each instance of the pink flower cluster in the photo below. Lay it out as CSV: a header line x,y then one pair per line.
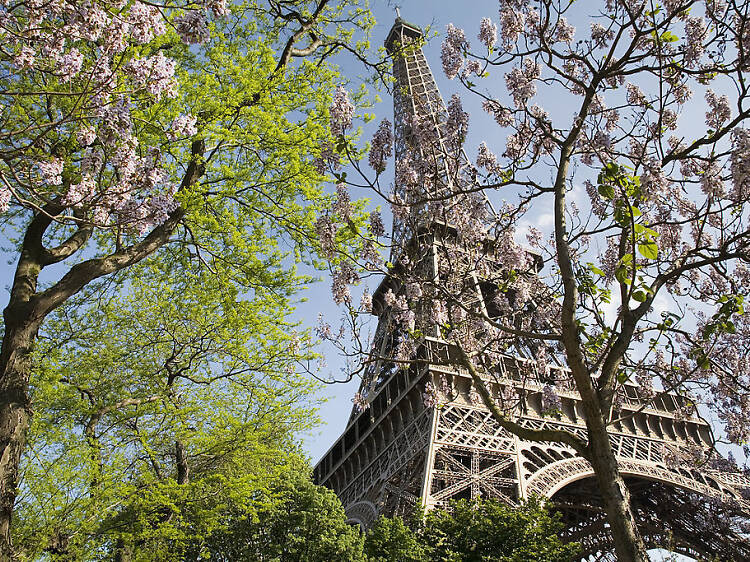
x,y
488,33
326,230
341,112
155,74
192,27
382,146
182,126
520,82
51,171
719,111
512,24
452,51
342,277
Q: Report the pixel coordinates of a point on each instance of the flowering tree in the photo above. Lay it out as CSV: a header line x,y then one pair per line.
x,y
135,127
642,278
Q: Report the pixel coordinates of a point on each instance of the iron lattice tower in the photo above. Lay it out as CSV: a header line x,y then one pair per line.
x,y
396,451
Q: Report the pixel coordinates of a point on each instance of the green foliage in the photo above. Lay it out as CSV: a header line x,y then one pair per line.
x,y
296,522
481,531
392,539
168,353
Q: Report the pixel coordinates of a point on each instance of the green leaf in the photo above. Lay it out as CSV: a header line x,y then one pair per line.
x,y
606,191
622,274
595,269
640,295
648,250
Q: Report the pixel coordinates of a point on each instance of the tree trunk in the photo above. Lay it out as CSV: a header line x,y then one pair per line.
x,y
123,551
15,415
627,540
183,468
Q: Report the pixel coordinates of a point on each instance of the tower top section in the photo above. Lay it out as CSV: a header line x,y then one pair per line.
x,y
402,33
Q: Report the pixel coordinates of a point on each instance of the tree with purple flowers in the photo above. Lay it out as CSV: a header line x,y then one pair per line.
x,y
641,279
133,130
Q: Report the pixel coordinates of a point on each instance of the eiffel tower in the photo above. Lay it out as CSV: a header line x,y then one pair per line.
x,y
399,449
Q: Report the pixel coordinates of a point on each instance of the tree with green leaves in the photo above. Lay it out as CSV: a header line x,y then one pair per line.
x,y
185,132
472,531
296,521
164,401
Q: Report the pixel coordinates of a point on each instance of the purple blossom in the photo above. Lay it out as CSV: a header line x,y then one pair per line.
x,y
155,73
51,171
342,277
515,147
413,291
740,164
711,183
377,228
5,196
457,124
328,158
382,146
429,396
502,115
323,329
653,180
81,192
343,206
600,35
472,67
365,303
438,313
452,51
360,402
405,352
145,22
86,135
341,112
326,231
191,27
70,65
645,384
534,237
695,34
551,402
24,58
406,175
520,82
486,159
488,33
719,110
218,8
635,96
370,255
512,24
90,20
564,32
182,126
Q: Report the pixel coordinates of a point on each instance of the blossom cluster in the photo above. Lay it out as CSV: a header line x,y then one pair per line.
x,y
382,146
453,49
341,112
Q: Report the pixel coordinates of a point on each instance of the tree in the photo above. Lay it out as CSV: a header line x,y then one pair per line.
x,y
152,389
136,128
644,282
484,530
296,521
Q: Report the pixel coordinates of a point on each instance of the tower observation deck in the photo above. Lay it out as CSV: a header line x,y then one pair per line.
x,y
401,449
